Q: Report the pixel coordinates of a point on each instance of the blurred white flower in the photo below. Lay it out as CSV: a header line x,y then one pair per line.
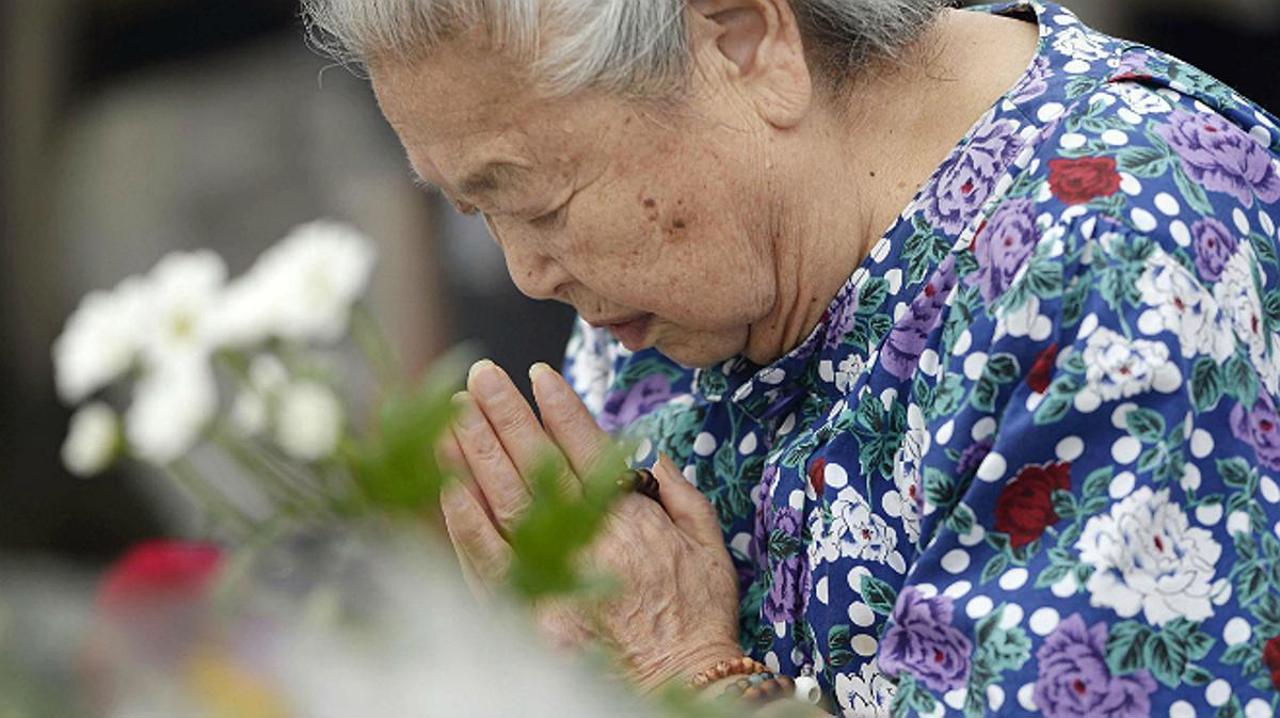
x,y
171,408
249,413
309,421
301,289
92,440
100,340
251,410
184,289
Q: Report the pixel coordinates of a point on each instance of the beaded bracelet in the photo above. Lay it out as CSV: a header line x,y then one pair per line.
x,y
761,688
724,669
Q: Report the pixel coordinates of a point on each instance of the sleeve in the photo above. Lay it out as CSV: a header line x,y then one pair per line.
x,y
1107,547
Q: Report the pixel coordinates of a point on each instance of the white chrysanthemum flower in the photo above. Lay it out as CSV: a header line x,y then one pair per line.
x,y
251,410
1118,367
861,532
302,288
183,292
92,440
171,408
868,694
1147,558
100,340
1186,309
309,421
1237,293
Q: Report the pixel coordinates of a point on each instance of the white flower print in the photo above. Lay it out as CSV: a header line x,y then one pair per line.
x,y
1080,44
1186,309
1146,557
848,371
1118,367
858,531
1140,99
1237,294
865,695
905,501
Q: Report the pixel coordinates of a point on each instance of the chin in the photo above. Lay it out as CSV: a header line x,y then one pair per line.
x,y
703,351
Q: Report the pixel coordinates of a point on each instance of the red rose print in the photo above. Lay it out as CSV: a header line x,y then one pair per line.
x,y
1024,508
1271,657
1042,370
1078,181
816,478
158,572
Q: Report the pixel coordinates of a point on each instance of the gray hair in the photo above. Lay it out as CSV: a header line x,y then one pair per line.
x,y
633,47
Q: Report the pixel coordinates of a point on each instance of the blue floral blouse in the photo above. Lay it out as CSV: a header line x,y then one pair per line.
x,y
1027,463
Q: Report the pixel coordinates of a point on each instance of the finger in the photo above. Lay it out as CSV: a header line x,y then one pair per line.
x,y
516,427
685,504
583,442
477,541
454,464
487,461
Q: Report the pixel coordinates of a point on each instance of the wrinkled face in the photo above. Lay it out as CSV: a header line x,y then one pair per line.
x,y
656,223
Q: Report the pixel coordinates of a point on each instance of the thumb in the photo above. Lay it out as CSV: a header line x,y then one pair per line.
x,y
689,510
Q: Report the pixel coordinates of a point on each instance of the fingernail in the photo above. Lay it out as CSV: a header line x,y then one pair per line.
x,y
485,379
466,414
540,370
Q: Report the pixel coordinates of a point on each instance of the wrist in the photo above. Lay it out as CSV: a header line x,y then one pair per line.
x,y
683,666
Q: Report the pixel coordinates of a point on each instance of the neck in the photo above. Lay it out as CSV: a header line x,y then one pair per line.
x,y
847,174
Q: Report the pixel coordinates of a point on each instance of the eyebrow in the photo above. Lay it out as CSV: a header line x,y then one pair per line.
x,y
492,177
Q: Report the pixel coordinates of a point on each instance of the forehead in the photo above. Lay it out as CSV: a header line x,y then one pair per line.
x,y
464,105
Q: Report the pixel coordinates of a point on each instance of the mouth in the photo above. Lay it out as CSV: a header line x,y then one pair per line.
x,y
632,331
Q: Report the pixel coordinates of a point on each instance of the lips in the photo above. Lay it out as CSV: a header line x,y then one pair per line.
x,y
631,332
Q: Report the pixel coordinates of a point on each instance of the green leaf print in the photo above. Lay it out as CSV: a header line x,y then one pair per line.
x,y
1145,425
877,594
1126,646
1206,384
1143,161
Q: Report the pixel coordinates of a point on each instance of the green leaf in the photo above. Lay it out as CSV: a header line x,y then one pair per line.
x,y
1126,647
1064,504
1143,161
1198,644
1206,384
1191,192
872,294
1052,575
994,567
1251,582
1235,472
985,391
961,519
1238,653
1098,481
1002,368
1264,248
1196,676
878,595
1241,379
840,652
939,489
1145,425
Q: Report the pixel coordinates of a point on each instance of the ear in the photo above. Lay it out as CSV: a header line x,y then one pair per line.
x,y
756,45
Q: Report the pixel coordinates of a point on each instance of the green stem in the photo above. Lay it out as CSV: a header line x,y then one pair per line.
x,y
376,348
211,500
293,498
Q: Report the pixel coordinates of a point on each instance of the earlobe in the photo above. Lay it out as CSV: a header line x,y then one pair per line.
x,y
760,43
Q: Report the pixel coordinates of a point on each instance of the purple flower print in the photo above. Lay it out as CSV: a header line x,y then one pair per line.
x,y
960,188
1034,83
1221,156
1134,64
1074,680
625,406
1214,245
782,603
973,455
1259,427
923,643
839,319
907,339
1003,246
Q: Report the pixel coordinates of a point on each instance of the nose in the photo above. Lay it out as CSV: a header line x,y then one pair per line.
x,y
534,271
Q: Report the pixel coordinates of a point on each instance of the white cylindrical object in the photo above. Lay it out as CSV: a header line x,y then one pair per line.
x,y
807,690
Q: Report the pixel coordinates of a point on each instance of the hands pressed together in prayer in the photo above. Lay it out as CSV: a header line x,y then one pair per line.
x,y
676,613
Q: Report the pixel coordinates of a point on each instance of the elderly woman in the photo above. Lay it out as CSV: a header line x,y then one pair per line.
x,y
958,331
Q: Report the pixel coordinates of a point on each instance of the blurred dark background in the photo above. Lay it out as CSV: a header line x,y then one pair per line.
x,y
131,128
